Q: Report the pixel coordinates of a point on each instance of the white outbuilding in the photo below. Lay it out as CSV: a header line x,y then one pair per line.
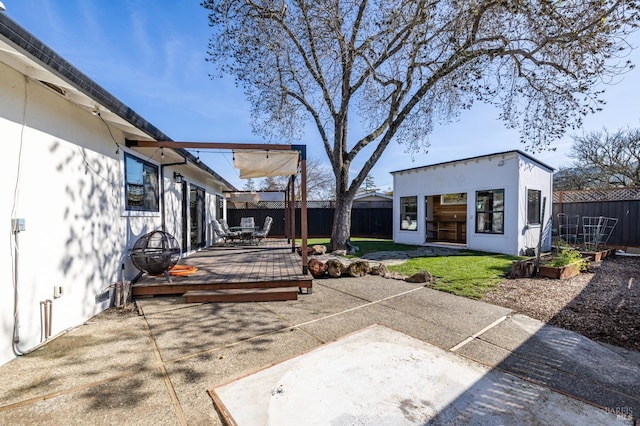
x,y
498,203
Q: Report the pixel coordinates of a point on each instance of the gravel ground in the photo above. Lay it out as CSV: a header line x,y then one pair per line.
x,y
602,303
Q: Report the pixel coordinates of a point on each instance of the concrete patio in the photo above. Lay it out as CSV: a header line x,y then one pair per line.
x,y
157,368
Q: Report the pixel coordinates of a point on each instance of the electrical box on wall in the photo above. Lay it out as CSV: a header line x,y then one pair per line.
x,y
17,225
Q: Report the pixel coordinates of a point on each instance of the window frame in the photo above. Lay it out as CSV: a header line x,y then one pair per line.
x,y
145,209
491,212
538,209
408,218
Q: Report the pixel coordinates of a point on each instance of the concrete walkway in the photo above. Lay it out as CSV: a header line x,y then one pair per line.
x,y
156,368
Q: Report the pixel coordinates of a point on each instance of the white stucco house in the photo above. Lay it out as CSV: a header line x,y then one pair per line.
x,y
75,197
491,203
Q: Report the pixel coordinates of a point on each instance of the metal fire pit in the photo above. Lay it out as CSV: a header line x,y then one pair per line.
x,y
155,253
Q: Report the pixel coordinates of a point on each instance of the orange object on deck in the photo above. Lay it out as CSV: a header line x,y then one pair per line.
x,y
182,270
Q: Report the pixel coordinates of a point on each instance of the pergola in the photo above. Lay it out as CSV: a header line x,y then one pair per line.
x,y
258,161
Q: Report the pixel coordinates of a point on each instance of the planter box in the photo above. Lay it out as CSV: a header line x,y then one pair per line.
x,y
597,256
559,272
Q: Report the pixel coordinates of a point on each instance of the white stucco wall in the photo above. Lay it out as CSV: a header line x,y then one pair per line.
x,y
535,178
486,173
64,178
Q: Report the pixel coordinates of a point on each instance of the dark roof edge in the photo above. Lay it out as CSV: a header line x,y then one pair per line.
x,y
56,64
514,151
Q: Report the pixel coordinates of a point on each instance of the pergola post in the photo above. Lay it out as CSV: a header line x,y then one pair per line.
x,y
287,206
303,213
292,212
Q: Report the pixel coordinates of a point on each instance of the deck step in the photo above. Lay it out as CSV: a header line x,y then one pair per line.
x,y
243,295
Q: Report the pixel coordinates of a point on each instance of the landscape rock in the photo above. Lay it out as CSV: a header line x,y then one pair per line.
x,y
420,277
319,249
359,268
335,268
379,269
317,268
309,251
340,253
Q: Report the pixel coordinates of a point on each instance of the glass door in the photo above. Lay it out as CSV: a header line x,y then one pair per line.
x,y
197,216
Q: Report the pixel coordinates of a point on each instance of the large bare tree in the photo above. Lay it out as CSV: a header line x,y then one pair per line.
x,y
400,66
602,160
319,182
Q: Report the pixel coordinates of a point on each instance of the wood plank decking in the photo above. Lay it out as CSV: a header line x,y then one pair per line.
x,y
229,270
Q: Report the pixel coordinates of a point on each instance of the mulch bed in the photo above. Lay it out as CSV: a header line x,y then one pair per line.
x,y
602,303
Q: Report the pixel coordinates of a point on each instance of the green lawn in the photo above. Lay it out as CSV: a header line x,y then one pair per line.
x,y
469,273
366,245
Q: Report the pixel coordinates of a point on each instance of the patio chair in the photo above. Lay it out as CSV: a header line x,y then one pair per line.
x,y
247,222
225,226
217,228
262,233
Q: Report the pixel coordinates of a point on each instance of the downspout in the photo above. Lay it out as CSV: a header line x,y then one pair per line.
x,y
16,311
16,316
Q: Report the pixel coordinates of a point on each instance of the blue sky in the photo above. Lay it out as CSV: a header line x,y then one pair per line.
x,y
151,54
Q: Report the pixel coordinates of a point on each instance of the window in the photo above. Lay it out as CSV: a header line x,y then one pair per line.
x,y
533,206
490,211
141,185
409,213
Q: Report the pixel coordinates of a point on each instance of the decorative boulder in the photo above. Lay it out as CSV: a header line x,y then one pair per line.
x,y
309,251
420,277
319,249
379,269
317,268
359,268
335,268
340,253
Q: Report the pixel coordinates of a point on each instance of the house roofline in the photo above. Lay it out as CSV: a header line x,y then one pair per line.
x,y
373,194
514,151
52,62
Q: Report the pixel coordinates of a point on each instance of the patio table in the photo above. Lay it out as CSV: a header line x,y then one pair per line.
x,y
246,232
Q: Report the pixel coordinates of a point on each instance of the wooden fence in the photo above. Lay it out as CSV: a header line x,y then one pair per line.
x,y
374,219
620,203
368,219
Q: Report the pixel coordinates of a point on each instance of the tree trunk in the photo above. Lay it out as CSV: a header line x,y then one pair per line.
x,y
341,230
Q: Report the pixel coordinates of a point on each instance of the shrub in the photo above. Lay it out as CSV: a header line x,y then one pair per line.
x,y
567,256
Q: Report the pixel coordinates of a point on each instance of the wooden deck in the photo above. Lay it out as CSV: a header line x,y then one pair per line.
x,y
233,267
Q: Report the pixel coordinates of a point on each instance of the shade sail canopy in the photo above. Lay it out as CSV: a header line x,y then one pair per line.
x,y
259,164
244,197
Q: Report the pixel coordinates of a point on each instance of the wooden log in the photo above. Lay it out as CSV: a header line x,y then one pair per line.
x,y
335,268
359,268
522,268
380,269
317,268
